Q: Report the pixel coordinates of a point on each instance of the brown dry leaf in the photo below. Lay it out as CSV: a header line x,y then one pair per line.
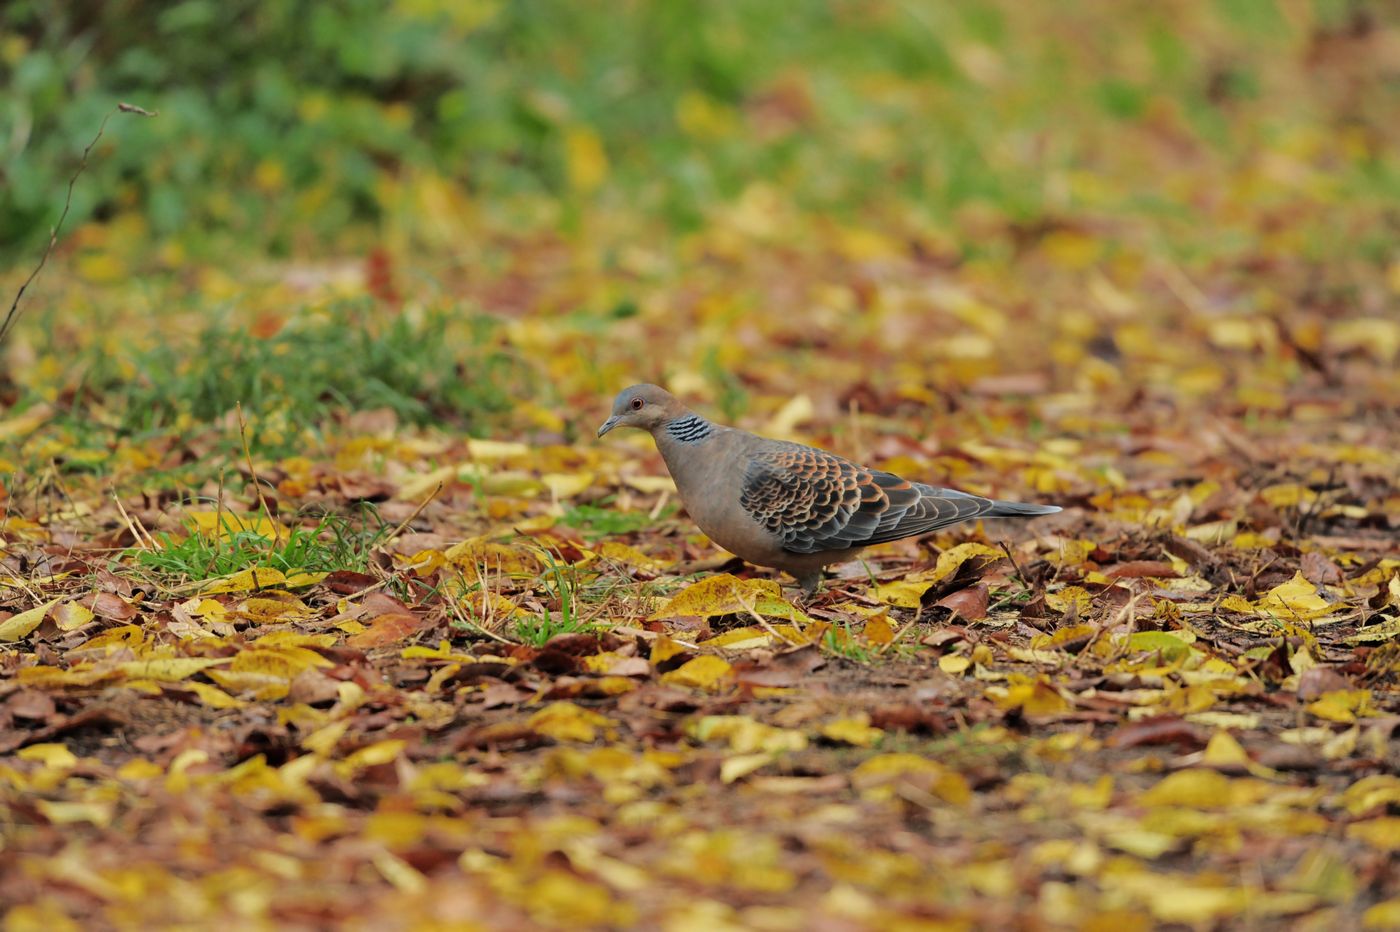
x,y
969,604
386,629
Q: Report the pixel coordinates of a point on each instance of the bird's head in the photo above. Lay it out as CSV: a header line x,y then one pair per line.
x,y
643,406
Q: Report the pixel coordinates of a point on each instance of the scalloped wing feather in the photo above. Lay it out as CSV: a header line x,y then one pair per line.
x,y
812,501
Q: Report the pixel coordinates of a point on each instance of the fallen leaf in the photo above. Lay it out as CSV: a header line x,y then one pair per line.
x,y
706,672
23,624
386,629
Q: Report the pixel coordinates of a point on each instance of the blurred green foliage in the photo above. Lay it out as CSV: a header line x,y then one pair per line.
x,y
280,121
429,367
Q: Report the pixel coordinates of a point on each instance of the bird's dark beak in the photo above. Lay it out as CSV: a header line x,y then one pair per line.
x,y
608,425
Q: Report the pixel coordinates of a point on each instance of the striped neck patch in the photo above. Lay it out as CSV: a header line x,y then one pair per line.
x,y
689,429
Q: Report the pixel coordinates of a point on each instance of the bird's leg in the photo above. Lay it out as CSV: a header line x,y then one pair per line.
x,y
810,582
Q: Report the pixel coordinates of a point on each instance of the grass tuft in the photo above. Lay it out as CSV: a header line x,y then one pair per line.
x,y
335,543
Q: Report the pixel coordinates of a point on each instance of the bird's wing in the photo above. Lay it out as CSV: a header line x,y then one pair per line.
x,y
811,500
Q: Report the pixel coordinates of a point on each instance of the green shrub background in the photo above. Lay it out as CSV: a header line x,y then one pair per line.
x,y
279,122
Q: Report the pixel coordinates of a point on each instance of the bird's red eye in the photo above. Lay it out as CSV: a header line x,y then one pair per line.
x,y
636,404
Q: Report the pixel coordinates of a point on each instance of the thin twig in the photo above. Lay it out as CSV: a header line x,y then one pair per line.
x,y
763,622
488,605
131,525
12,316
218,523
660,504
257,484
416,512
884,648
1015,566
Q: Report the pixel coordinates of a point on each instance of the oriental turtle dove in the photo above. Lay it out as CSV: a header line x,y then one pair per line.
x,y
786,505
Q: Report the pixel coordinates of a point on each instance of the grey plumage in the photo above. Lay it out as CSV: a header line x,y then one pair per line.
x,y
787,505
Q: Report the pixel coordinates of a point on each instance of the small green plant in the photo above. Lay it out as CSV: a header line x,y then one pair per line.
x,y
537,631
597,522
842,642
437,368
335,543
561,582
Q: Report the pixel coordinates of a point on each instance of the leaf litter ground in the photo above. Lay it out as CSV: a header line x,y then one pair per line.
x,y
348,665
521,689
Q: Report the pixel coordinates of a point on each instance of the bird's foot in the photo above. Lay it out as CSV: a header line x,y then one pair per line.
x,y
809,583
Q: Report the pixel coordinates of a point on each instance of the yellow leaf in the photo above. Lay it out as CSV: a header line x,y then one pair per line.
x,y
954,664
614,685
1383,915
878,630
415,488
80,675
214,697
478,557
651,485
372,755
566,484
663,649
1196,788
1070,595
124,636
1296,598
404,876
746,735
50,754
301,580
169,669
724,594
706,672
565,721
443,651
1382,833
740,639
1038,697
221,525
497,449
1225,752
1062,636
584,159
26,423
261,686
138,769
741,765
284,661
857,731
21,625
1074,552
69,616
323,740
797,410
905,593
67,813
1343,705
1372,792
1237,604
628,556
901,593
1172,646
875,777
266,611
257,577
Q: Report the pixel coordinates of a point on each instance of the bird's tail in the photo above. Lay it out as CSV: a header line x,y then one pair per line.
x,y
1018,510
